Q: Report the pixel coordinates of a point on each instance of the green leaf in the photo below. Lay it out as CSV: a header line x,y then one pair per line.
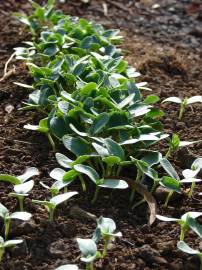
x,y
89,171
151,99
152,158
69,176
63,160
114,184
88,88
111,160
170,183
76,145
99,123
9,178
58,127
195,226
114,149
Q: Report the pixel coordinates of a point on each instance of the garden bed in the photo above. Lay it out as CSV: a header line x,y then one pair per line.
x,y
171,64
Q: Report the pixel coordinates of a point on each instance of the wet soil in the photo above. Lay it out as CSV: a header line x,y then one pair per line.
x,y
162,40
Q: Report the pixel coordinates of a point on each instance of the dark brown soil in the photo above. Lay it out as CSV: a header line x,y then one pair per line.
x,y
164,44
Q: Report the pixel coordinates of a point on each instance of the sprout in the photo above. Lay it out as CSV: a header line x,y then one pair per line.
x,y
89,252
4,213
54,202
7,244
183,102
21,191
187,249
185,221
20,179
106,228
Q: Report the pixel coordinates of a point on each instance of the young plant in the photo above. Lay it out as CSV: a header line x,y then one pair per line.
x,y
7,217
7,244
54,202
183,102
106,228
89,252
20,179
22,191
187,249
185,221
191,174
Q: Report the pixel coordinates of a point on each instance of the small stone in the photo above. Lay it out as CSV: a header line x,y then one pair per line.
x,y
151,255
57,248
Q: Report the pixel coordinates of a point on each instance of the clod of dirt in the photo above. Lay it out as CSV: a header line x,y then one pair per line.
x,y
161,193
151,255
56,249
78,213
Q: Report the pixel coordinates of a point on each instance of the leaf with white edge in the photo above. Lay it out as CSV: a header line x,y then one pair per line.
x,y
190,180
99,123
100,149
32,171
11,243
185,143
25,216
63,160
89,171
191,214
62,197
76,145
173,99
24,85
68,267
163,218
152,158
187,249
195,226
126,101
197,164
67,96
114,184
138,110
88,249
194,99
190,173
80,133
3,210
57,174
169,168
9,178
106,225
24,187
114,149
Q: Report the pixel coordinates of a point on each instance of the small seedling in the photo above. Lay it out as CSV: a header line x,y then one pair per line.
x,y
7,244
4,213
183,102
54,202
187,249
21,191
89,252
16,180
184,221
106,228
68,267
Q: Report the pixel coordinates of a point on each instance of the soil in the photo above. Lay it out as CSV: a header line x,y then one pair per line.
x,y
162,40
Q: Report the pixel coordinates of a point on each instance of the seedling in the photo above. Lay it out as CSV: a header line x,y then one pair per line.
x,y
184,221
7,244
89,252
22,191
187,249
54,202
4,213
183,102
16,180
106,228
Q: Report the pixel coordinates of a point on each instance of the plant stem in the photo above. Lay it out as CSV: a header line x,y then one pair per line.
x,y
106,243
138,177
193,185
51,214
7,227
168,154
51,141
102,167
95,194
1,254
167,199
182,233
89,266
182,108
118,170
200,257
83,184
21,200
